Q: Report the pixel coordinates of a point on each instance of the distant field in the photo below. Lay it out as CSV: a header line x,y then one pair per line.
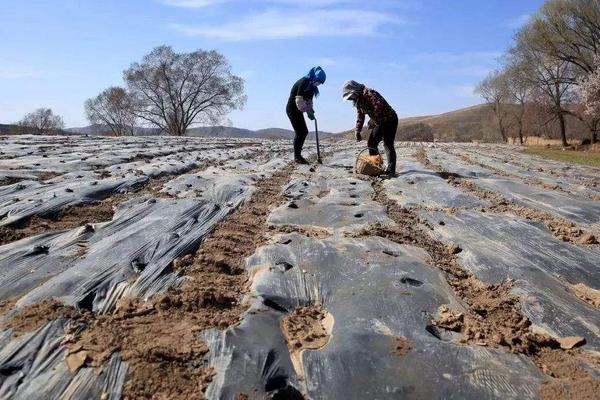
x,y
571,156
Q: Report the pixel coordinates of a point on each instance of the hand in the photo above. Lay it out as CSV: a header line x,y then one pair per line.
x,y
357,136
311,115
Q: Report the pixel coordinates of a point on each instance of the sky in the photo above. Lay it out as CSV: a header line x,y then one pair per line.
x,y
425,57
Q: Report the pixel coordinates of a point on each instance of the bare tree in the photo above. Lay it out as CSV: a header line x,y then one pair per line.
x,y
569,31
519,91
553,79
43,120
494,90
113,107
174,91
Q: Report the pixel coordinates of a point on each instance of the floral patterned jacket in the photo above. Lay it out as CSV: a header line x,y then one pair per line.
x,y
373,104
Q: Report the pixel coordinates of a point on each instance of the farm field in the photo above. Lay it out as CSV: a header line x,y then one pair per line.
x,y
190,268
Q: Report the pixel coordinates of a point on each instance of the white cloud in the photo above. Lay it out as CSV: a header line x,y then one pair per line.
x,y
276,24
517,22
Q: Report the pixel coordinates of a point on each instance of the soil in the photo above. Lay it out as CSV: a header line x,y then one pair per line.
x,y
160,337
587,294
570,379
402,345
310,231
306,328
492,316
6,305
10,180
32,317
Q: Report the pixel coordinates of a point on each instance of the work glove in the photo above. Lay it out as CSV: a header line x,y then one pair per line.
x,y
311,115
357,136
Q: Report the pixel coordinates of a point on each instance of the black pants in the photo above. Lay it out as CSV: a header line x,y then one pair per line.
x,y
299,125
385,131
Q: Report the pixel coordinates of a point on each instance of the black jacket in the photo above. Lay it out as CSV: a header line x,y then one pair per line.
x,y
303,88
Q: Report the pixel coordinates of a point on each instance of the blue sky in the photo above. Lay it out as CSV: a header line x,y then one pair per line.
x,y
424,56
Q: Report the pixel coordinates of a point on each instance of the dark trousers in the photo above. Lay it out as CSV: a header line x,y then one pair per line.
x,y
299,125
385,131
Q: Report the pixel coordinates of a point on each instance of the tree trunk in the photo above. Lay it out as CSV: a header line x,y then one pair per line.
x,y
521,132
563,130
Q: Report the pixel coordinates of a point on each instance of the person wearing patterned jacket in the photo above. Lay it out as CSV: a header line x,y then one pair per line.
x,y
301,101
383,120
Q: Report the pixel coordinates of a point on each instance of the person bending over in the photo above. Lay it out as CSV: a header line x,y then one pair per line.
x,y
382,119
301,101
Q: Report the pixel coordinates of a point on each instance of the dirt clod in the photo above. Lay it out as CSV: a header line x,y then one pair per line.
x,y
31,317
570,342
306,328
587,294
402,345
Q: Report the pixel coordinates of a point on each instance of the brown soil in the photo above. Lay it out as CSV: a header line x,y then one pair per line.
x,y
587,294
561,228
306,328
159,338
493,315
49,175
6,305
9,180
402,345
311,231
570,379
31,317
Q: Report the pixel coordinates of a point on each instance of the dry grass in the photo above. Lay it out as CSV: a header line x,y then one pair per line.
x,y
569,156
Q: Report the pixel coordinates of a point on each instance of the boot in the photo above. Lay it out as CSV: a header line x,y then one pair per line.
x,y
300,160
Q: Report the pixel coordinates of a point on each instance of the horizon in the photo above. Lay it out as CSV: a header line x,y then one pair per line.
x,y
424,58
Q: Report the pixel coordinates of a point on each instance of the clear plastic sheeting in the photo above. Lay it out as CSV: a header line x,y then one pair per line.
x,y
577,209
95,265
60,154
544,269
142,240
581,211
417,186
330,198
376,291
455,165
33,367
530,171
229,184
23,200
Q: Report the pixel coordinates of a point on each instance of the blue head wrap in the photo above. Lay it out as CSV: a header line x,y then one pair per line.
x,y
317,74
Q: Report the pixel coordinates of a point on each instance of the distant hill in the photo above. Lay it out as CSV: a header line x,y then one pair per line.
x,y
464,125
204,131
476,123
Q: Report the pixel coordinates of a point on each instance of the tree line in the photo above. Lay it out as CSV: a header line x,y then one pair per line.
x,y
551,72
166,90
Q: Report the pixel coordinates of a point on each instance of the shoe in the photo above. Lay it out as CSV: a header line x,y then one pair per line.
x,y
390,173
300,160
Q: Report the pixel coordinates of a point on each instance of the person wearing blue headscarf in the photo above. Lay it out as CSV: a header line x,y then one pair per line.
x,y
300,102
